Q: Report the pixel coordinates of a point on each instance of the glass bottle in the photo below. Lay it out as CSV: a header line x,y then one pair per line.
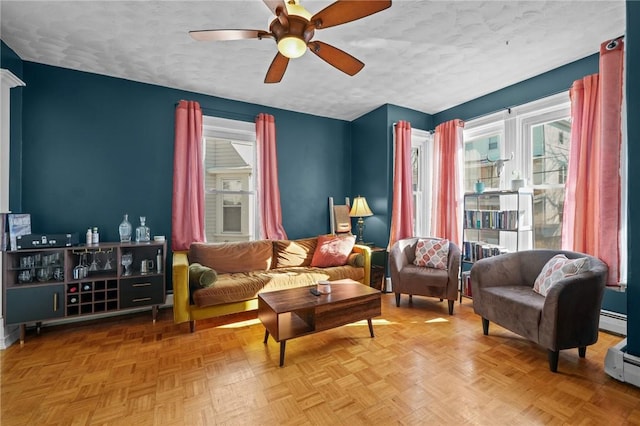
x,y
125,230
143,234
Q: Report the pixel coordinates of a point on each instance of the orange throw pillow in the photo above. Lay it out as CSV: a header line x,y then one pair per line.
x,y
332,250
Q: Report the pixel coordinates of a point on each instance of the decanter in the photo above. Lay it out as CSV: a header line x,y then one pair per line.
x,y
143,234
125,230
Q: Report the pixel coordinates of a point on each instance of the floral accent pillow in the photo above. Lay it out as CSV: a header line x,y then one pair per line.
x,y
556,269
432,253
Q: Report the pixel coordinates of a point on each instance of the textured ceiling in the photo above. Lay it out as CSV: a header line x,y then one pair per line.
x,y
424,55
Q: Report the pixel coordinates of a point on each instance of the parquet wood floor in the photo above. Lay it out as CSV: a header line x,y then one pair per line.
x,y
423,367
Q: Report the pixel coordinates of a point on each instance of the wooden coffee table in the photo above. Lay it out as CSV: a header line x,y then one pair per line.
x,y
296,312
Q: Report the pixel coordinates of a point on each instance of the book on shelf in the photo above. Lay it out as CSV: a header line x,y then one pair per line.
x,y
504,220
466,284
475,250
19,224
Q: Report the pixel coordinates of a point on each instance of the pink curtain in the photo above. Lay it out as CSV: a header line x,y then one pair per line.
x,y
268,190
187,220
447,181
591,219
402,210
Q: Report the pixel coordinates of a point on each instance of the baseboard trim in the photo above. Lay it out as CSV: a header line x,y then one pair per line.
x,y
388,288
11,335
613,322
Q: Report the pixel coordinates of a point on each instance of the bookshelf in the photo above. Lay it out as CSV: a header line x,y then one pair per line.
x,y
494,222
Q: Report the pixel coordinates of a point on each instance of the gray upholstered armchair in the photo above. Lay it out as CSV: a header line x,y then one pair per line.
x,y
423,281
569,315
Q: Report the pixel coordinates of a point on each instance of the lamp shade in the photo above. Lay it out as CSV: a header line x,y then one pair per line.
x,y
292,46
360,208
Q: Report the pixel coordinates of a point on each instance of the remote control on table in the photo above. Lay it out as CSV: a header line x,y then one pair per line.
x,y
315,292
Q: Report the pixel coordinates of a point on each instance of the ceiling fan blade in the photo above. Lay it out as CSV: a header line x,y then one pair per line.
x,y
273,6
343,11
276,69
336,57
223,35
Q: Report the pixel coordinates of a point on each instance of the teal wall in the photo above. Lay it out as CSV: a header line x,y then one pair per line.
x,y
370,172
633,135
372,167
97,147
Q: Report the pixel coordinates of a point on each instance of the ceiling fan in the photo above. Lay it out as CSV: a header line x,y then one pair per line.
x,y
294,28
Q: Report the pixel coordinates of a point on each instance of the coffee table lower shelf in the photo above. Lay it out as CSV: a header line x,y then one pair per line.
x,y
291,313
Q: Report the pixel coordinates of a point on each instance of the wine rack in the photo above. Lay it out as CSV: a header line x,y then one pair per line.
x,y
92,297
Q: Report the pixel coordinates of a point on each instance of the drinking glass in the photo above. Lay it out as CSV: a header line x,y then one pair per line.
x,y
127,260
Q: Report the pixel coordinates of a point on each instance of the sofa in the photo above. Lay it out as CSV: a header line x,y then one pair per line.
x,y
247,268
566,315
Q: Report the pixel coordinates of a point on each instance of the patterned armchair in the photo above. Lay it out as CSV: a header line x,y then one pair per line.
x,y
411,279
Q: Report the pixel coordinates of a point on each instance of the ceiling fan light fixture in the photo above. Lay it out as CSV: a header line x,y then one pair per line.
x,y
294,8
292,47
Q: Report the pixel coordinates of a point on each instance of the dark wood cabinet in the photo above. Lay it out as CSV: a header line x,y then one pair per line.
x,y
141,291
70,282
34,303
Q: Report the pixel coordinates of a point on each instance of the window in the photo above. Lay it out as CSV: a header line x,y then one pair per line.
x,y
538,135
421,157
483,145
549,161
477,165
229,175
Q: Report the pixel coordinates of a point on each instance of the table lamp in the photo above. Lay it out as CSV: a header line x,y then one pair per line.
x,y
360,209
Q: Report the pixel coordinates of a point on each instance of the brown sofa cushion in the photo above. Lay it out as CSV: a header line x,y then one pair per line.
x,y
290,253
245,286
245,256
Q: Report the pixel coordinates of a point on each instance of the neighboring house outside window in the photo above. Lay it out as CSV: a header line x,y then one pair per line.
x,y
229,174
538,135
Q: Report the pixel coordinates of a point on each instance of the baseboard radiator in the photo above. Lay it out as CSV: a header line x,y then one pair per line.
x,y
613,322
618,363
622,366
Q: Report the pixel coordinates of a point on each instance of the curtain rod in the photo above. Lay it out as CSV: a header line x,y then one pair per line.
x,y
428,131
509,108
225,114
